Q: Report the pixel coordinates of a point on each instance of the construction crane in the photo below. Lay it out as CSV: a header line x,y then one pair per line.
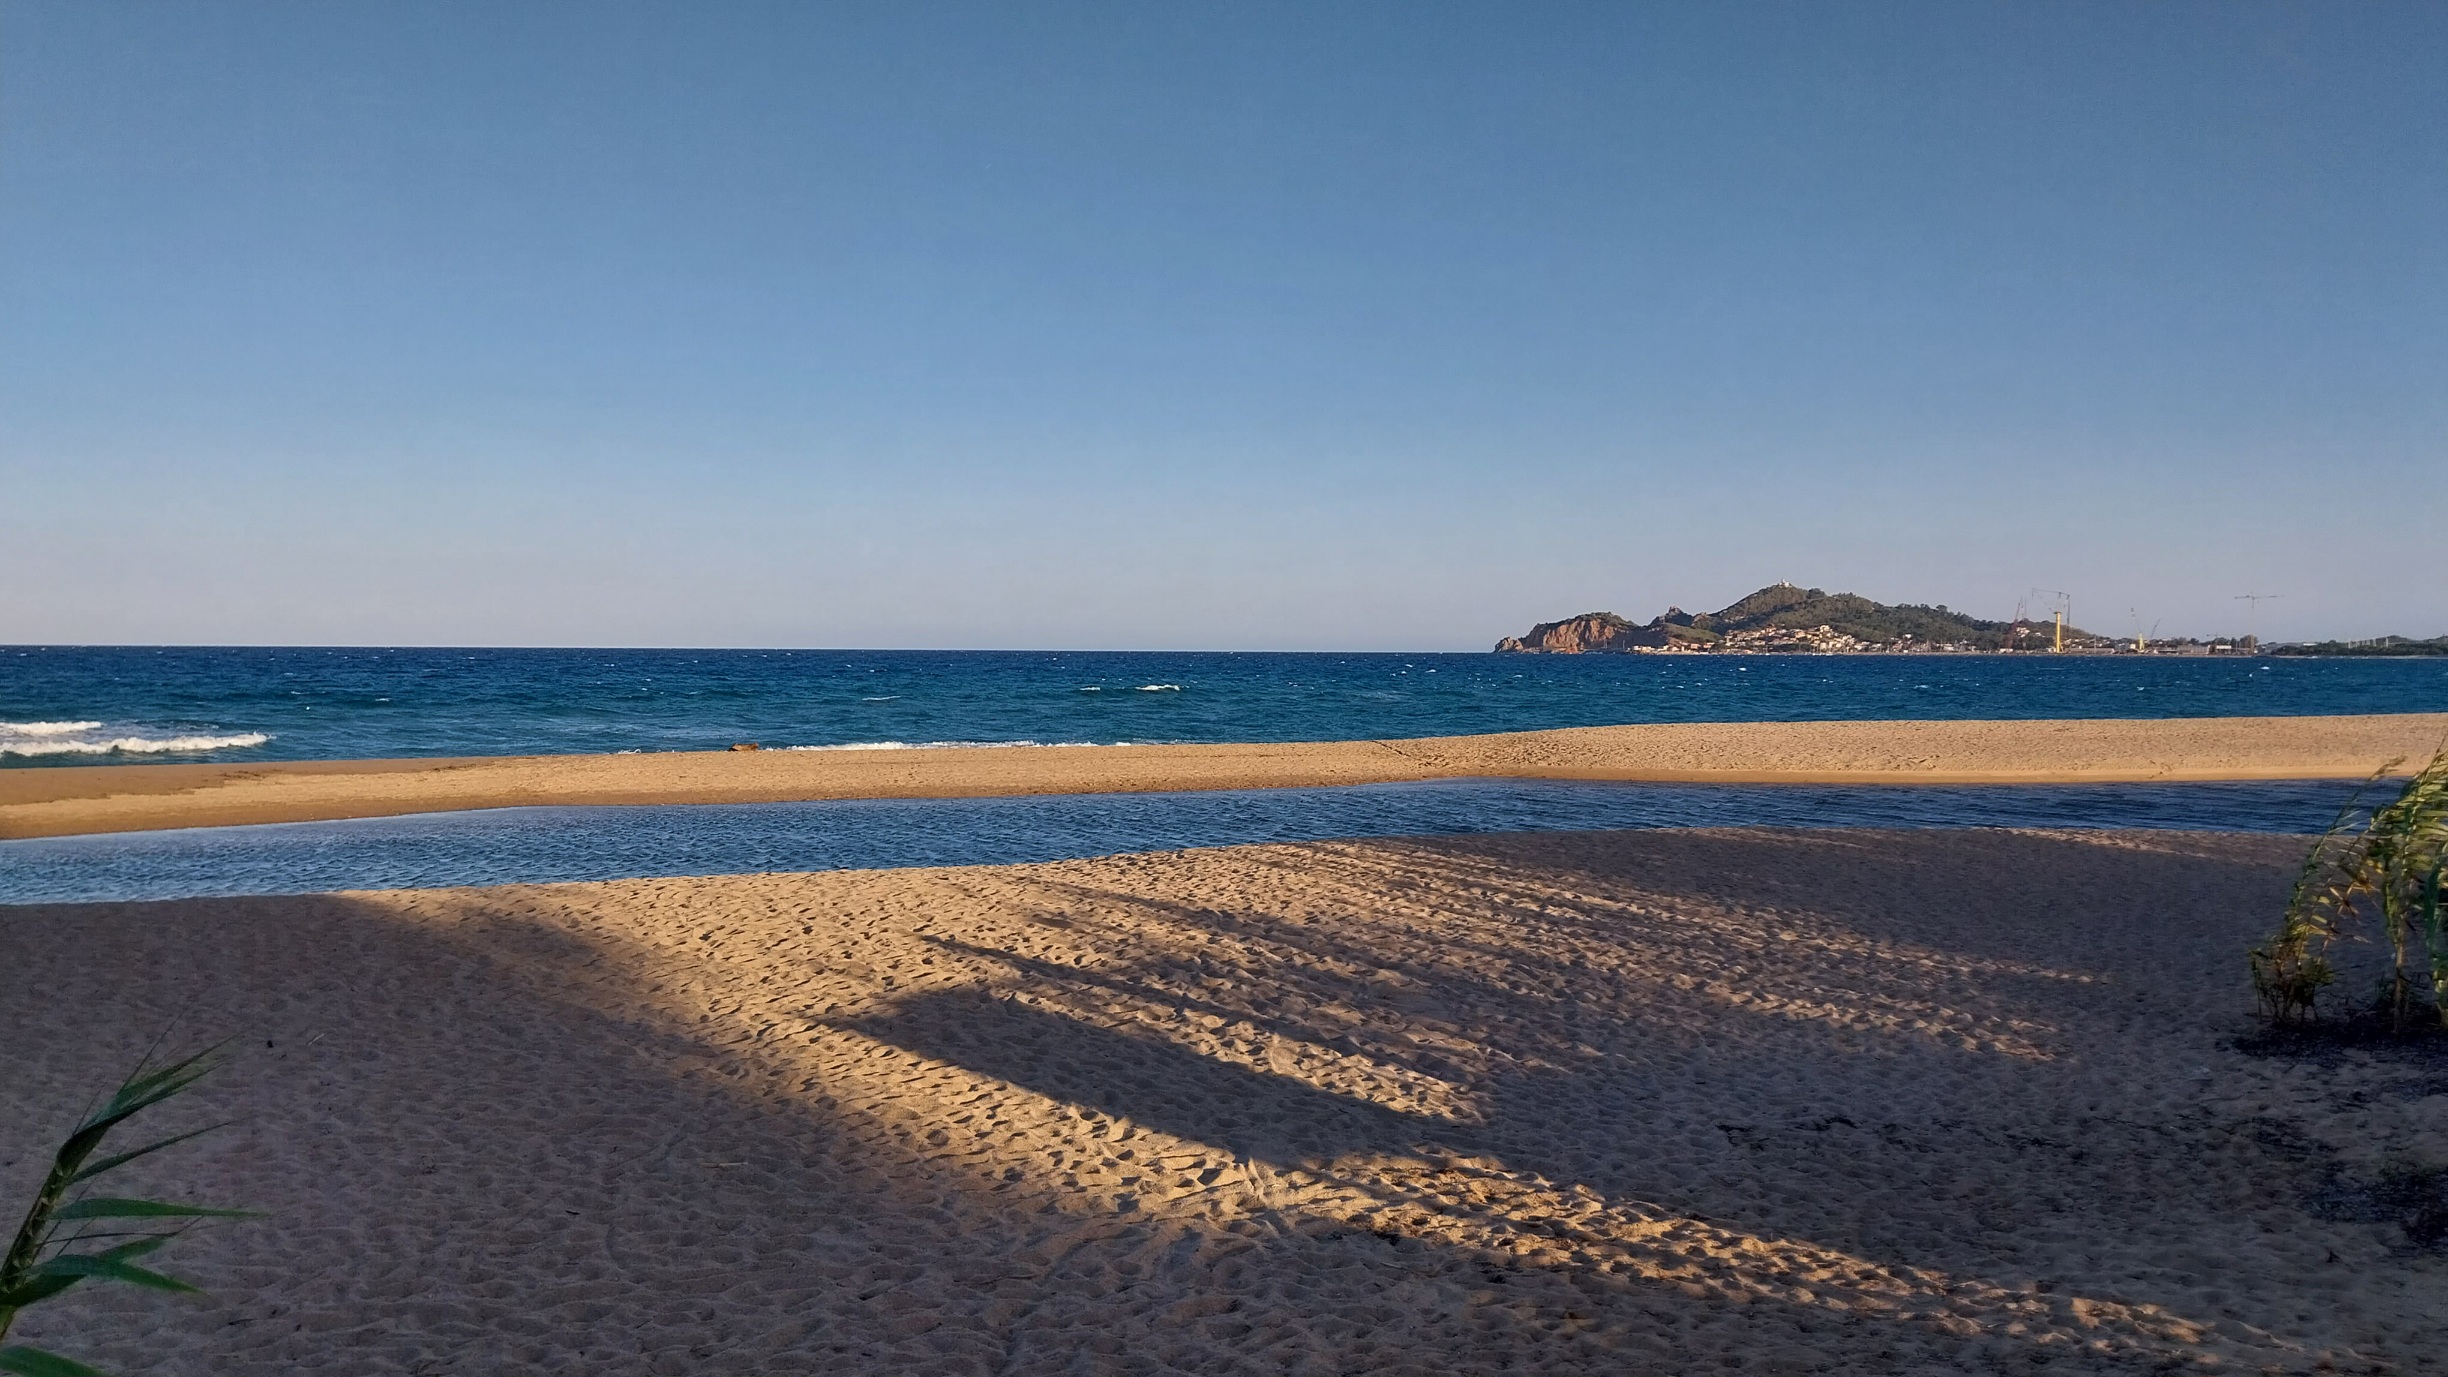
x,y
2060,606
2252,617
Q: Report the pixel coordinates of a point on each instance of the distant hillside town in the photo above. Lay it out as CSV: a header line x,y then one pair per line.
x,y
1785,619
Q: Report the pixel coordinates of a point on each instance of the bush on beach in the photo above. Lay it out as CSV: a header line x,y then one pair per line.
x,y
2390,871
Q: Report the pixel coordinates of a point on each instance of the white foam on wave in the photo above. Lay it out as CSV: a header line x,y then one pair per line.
x,y
128,745
45,728
1160,688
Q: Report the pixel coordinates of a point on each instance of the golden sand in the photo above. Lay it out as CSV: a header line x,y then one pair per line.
x,y
55,802
1652,1102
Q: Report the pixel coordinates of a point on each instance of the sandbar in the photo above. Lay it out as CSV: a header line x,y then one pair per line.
x,y
1633,1102
64,801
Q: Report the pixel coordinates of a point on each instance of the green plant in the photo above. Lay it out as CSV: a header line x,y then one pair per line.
x,y
2393,866
2404,849
2432,914
54,1248
2291,969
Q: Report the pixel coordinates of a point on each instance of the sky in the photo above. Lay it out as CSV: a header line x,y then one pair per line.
x,y
1303,326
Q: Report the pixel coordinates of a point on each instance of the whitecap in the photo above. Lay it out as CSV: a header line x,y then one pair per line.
x,y
45,728
1160,688
134,745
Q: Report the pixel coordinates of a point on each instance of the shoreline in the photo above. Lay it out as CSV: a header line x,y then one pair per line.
x,y
73,800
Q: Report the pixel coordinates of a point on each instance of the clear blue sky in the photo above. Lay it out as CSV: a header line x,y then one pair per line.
x,y
1302,326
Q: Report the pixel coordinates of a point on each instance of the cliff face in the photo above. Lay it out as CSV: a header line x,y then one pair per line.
x,y
1574,635
1604,631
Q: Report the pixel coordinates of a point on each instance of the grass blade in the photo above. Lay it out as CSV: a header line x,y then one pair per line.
x,y
26,1293
121,1160
33,1362
108,1268
37,1265
113,1207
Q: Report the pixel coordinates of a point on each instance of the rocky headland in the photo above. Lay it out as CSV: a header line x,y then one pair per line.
x,y
1785,618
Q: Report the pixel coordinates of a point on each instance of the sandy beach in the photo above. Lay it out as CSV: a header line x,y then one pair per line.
x,y
59,802
1648,1102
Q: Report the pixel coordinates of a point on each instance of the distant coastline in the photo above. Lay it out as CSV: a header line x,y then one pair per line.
x,y
2379,647
1785,619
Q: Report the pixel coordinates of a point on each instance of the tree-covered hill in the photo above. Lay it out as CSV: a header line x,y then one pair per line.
x,y
1799,609
1850,621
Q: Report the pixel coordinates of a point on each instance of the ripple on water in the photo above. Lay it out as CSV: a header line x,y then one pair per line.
x,y
534,845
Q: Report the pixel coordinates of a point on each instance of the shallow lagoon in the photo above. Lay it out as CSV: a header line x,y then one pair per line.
x,y
521,845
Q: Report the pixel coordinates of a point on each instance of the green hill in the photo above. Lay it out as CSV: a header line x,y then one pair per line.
x,y
1800,609
1755,622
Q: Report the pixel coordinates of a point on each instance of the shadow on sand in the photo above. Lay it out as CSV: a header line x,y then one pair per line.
x,y
1603,1102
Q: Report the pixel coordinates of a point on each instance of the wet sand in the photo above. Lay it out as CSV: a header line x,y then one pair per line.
x,y
58,802
1634,1102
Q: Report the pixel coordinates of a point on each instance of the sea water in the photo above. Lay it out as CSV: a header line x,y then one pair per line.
x,y
511,845
77,705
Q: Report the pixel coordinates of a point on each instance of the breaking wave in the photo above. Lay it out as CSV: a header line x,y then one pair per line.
x,y
30,739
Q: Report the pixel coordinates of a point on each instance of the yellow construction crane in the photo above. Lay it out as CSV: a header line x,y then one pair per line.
x,y
2060,606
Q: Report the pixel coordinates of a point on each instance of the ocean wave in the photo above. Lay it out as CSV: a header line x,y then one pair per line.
x,y
131,745
1160,688
45,728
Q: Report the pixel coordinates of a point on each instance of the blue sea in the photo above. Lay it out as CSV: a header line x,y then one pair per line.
x,y
88,705
83,705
